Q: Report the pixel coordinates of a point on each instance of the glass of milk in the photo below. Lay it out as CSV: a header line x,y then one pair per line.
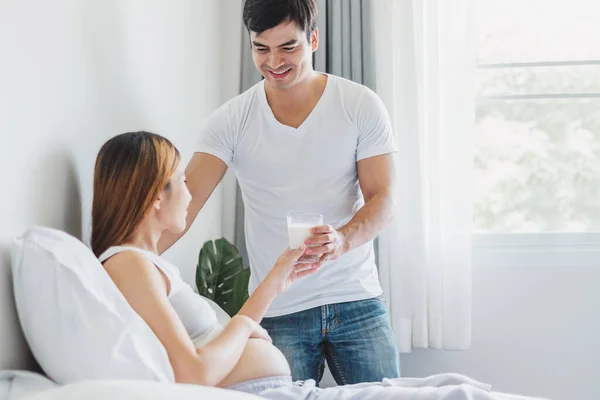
x,y
299,225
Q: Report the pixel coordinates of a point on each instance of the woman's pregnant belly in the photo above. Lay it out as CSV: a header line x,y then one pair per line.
x,y
260,359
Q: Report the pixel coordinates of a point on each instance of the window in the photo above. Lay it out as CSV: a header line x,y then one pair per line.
x,y
538,130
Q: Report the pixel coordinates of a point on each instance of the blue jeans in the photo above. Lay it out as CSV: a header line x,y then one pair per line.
x,y
356,338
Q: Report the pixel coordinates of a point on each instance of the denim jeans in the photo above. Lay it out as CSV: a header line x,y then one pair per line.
x,y
355,337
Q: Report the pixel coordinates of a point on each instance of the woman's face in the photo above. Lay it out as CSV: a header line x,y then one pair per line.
x,y
174,201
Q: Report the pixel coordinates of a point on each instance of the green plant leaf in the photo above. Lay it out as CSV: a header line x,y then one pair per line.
x,y
221,276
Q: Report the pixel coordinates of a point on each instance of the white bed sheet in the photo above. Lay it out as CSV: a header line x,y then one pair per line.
x,y
24,385
17,385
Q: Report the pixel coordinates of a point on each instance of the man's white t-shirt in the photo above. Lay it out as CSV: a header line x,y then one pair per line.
x,y
309,169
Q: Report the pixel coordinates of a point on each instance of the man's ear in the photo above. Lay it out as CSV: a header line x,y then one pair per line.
x,y
314,39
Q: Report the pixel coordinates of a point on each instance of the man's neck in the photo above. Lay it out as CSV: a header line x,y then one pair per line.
x,y
298,93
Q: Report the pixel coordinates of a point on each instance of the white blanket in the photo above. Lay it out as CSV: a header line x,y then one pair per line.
x,y
435,387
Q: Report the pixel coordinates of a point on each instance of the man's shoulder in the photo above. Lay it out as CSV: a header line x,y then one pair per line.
x,y
355,98
239,105
246,98
352,94
348,85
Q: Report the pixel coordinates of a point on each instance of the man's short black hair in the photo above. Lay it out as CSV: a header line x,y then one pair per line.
x,y
261,15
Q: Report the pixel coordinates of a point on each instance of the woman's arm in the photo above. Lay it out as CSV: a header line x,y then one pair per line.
x,y
145,288
259,302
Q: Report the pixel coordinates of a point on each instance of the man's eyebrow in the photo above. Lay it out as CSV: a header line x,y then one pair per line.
x,y
288,43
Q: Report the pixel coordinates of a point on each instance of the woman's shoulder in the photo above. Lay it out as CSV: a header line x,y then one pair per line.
x,y
128,262
135,274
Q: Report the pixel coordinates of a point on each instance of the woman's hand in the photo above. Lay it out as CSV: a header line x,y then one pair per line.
x,y
256,331
287,270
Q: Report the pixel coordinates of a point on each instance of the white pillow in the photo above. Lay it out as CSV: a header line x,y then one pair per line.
x,y
77,323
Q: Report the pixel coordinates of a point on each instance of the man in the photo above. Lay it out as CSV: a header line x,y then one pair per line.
x,y
304,141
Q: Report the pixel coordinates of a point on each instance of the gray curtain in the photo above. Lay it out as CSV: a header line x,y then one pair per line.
x,y
344,50
345,35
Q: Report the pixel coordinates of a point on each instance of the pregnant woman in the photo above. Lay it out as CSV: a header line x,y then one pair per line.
x,y
140,193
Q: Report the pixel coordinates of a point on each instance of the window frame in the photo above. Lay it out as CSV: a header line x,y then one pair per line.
x,y
537,249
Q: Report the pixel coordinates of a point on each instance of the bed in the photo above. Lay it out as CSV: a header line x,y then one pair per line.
x,y
21,380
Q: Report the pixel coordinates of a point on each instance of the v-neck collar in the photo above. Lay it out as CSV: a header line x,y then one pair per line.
x,y
290,129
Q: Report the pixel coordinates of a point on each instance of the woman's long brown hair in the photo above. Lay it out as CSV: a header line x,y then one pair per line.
x,y
131,170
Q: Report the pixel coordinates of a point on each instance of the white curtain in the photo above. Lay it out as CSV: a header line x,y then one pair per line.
x,y
425,71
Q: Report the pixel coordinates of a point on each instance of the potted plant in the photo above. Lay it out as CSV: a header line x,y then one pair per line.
x,y
221,275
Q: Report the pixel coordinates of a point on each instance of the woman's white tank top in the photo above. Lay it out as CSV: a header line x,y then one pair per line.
x,y
198,317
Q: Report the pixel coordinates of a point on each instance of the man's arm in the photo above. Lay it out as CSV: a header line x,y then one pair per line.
x,y
203,174
376,177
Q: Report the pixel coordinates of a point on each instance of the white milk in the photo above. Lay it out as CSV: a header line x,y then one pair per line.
x,y
297,233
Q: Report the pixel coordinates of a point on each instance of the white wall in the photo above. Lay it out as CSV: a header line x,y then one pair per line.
x,y
536,331
73,73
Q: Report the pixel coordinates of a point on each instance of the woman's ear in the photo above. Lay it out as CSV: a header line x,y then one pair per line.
x,y
156,204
